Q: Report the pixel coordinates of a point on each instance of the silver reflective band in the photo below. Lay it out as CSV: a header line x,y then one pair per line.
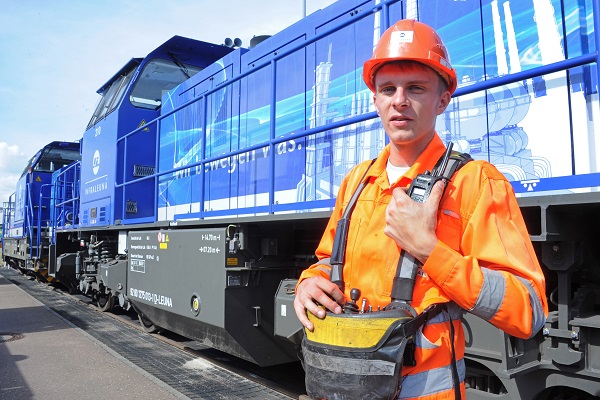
x,y
491,294
348,365
431,382
326,262
538,317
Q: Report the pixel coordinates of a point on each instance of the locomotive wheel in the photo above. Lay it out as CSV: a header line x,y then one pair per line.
x,y
147,325
105,302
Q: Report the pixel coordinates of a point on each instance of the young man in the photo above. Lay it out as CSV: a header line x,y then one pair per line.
x,y
472,242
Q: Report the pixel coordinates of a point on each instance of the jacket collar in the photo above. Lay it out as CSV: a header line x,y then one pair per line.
x,y
425,162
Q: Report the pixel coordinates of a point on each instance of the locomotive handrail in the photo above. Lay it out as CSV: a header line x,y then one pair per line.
x,y
461,91
39,219
64,202
8,211
28,220
11,206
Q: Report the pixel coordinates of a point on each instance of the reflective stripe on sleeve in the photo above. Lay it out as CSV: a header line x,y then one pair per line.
x,y
538,319
327,262
491,295
431,382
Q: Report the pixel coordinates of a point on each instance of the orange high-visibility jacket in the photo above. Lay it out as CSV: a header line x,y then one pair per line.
x,y
483,263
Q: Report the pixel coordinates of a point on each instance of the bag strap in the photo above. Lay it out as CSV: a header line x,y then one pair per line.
x,y
454,366
411,327
338,251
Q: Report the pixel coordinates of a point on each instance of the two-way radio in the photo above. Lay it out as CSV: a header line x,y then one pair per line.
x,y
421,186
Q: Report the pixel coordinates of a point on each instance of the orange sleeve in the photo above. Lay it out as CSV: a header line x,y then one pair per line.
x,y
495,271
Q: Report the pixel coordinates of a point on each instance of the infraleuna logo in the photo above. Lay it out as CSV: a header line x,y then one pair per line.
x,y
96,162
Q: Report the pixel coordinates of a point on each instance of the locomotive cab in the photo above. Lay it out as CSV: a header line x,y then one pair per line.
x,y
131,101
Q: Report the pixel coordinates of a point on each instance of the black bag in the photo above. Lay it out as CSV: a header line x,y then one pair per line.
x,y
359,356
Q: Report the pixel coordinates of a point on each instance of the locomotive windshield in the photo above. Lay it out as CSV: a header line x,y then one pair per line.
x,y
111,97
51,159
158,77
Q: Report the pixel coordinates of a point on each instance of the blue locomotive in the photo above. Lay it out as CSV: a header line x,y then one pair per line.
x,y
26,226
208,173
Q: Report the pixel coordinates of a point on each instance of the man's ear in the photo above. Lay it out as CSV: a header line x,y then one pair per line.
x,y
444,101
375,103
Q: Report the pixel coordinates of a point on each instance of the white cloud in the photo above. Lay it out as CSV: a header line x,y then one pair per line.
x,y
9,155
8,185
12,162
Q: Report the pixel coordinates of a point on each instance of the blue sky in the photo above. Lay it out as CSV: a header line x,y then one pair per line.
x,y
56,54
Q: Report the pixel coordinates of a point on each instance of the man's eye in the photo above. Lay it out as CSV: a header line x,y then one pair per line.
x,y
388,90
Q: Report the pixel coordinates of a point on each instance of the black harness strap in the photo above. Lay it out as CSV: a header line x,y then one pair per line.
x,y
338,251
455,376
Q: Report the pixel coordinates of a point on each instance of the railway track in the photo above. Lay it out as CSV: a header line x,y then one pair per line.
x,y
191,368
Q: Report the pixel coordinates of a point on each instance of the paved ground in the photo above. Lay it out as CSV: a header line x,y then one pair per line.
x,y
45,357
54,347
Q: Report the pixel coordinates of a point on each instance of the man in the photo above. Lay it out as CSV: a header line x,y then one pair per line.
x,y
472,241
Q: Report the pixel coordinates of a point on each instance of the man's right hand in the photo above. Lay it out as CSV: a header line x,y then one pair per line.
x,y
311,291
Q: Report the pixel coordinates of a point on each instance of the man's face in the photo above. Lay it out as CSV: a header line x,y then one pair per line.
x,y
408,100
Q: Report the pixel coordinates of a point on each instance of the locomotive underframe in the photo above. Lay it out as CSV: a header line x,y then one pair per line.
x,y
16,254
235,288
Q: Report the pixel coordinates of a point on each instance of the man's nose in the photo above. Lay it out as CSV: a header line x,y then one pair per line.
x,y
400,99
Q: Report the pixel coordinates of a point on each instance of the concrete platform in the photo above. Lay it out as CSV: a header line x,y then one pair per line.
x,y
43,356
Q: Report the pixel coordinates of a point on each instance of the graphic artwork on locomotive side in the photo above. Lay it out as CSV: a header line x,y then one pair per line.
x,y
200,196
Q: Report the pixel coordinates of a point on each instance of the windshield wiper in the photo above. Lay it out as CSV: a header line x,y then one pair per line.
x,y
181,66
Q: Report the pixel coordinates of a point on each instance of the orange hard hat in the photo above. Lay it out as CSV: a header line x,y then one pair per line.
x,y
411,40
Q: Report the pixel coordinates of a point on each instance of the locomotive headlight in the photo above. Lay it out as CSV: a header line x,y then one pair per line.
x,y
195,304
